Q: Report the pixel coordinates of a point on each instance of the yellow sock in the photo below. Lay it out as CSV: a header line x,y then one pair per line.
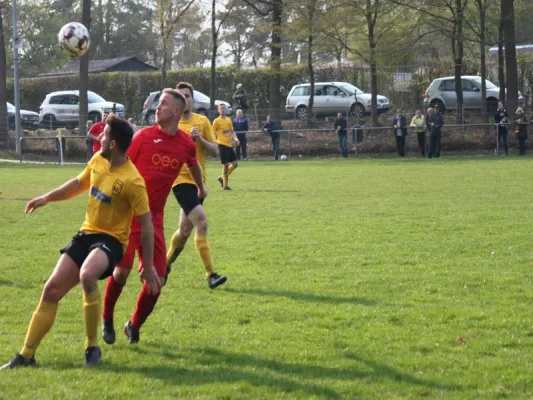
x,y
42,320
177,243
231,168
204,251
224,177
91,315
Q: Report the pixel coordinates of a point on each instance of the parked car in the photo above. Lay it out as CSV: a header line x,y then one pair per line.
x,y
28,119
62,108
442,92
201,105
332,98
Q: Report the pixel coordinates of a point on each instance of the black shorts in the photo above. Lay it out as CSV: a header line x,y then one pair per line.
x,y
187,196
83,243
227,155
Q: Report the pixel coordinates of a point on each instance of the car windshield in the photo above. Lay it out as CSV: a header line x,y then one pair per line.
x,y
10,106
489,84
94,98
350,89
200,97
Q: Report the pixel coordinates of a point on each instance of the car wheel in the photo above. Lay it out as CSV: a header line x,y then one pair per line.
x,y
301,113
150,119
49,122
357,110
95,117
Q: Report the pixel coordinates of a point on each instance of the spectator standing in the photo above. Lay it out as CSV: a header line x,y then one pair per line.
x,y
501,117
419,124
271,128
400,132
240,125
340,127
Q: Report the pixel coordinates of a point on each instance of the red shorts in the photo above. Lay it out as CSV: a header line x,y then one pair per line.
x,y
160,249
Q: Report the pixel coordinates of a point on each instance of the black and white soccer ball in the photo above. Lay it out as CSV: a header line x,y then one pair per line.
x,y
74,39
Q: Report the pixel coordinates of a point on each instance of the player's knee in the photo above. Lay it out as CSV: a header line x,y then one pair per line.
x,y
201,225
52,292
120,275
88,281
184,232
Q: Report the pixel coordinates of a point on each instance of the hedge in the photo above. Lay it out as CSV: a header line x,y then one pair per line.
x,y
132,88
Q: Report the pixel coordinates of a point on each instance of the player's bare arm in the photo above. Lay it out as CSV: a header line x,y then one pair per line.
x,y
148,273
235,139
212,148
196,173
66,191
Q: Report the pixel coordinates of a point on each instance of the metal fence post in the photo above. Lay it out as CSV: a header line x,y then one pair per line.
x,y
20,144
289,144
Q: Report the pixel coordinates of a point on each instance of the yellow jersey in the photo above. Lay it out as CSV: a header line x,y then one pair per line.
x,y
115,195
202,124
223,128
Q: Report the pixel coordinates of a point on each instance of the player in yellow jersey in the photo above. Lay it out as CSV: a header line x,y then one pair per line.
x,y
116,193
192,213
223,128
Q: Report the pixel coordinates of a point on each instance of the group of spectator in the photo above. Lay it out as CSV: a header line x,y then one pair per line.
x,y
240,125
431,125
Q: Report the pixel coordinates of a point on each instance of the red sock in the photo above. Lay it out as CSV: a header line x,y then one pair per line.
x,y
112,293
145,305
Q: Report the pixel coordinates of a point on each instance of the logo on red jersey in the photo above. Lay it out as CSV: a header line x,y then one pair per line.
x,y
165,161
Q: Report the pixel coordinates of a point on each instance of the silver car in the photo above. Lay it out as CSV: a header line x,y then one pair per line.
x,y
201,105
332,98
442,92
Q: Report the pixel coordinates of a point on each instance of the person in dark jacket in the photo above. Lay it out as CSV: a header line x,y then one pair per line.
x,y
501,117
240,125
521,122
271,128
340,127
435,124
400,132
240,98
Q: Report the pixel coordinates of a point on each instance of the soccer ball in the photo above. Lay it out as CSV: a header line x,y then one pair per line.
x,y
283,157
74,39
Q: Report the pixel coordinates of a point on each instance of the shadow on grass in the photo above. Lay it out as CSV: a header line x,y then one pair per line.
x,y
304,296
224,367
272,191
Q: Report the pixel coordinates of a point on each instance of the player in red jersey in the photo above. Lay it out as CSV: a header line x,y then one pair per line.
x,y
158,152
96,133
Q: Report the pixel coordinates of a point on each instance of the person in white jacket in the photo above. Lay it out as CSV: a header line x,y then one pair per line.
x,y
419,124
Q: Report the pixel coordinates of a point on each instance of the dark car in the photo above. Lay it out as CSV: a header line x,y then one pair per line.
x,y
28,119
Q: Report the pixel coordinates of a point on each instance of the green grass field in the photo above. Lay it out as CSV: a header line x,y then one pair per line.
x,y
363,279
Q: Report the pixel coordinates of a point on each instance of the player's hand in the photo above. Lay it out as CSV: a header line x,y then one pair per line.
x,y
195,133
149,276
202,193
35,204
237,143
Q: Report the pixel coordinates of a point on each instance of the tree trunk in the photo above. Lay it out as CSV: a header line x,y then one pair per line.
x,y
485,108
4,132
510,55
459,40
213,77
370,20
275,62
84,70
310,63
501,58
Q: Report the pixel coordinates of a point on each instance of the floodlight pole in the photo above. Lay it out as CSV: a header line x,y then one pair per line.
x,y
16,46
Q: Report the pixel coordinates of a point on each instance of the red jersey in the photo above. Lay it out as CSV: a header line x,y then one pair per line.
x,y
96,130
159,158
